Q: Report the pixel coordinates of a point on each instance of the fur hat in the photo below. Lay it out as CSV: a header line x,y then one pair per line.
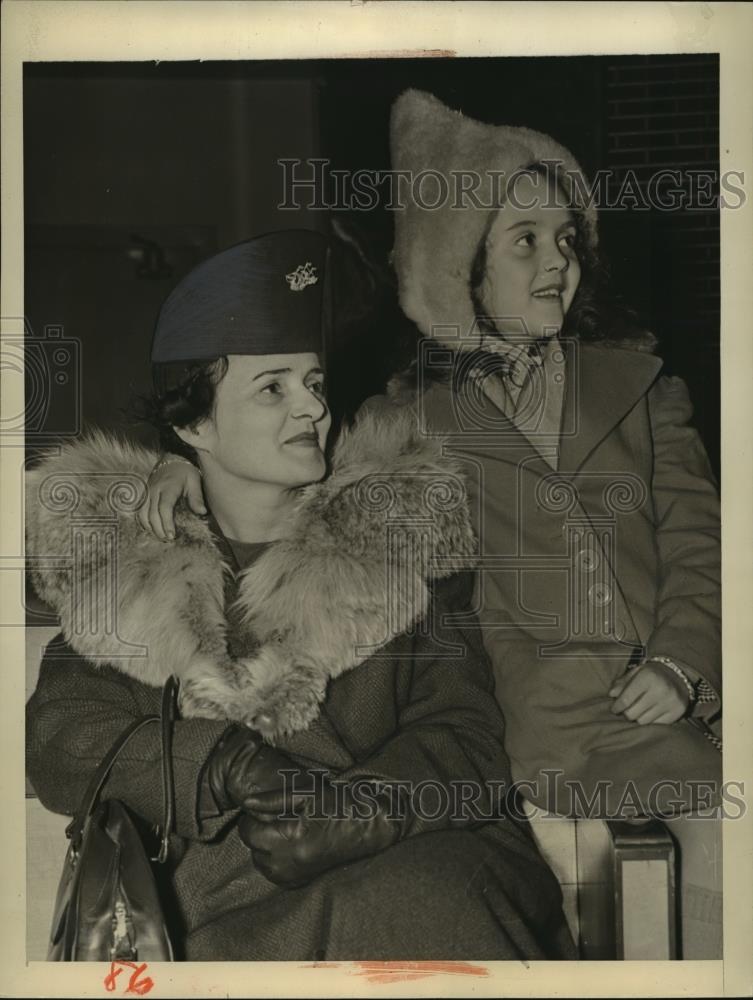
x,y
435,247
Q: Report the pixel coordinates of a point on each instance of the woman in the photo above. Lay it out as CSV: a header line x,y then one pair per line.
x,y
595,507
300,612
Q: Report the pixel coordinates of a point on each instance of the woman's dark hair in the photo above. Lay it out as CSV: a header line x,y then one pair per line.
x,y
183,394
596,314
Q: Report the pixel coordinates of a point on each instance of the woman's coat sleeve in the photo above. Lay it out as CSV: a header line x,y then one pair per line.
x,y
75,715
449,733
686,503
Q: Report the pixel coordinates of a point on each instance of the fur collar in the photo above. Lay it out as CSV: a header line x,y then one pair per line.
x,y
343,583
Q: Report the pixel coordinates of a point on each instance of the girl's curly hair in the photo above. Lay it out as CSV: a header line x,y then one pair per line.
x,y
597,314
382,344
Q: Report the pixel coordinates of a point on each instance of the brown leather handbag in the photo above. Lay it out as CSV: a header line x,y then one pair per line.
x,y
107,905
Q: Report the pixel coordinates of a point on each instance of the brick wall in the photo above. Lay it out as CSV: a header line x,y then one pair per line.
x,y
662,112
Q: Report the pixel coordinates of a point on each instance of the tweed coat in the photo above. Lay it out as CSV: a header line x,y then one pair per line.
x,y
416,707
586,570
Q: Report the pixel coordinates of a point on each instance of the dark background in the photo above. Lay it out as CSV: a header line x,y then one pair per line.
x,y
135,172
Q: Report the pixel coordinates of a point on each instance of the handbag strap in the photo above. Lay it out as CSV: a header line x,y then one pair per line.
x,y
75,828
168,710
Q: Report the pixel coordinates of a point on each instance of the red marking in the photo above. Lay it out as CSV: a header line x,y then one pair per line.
x,y
394,972
135,985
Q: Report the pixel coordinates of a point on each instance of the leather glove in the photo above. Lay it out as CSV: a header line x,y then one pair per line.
x,y
294,836
242,766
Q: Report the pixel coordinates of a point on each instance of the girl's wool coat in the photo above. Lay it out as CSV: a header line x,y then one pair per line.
x,y
339,647
584,570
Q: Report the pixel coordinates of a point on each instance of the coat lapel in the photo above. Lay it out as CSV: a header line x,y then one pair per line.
x,y
603,385
474,424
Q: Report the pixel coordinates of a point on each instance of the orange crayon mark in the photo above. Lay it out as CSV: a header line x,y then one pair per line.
x,y
401,972
135,984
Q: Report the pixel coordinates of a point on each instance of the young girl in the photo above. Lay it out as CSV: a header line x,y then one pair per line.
x,y
598,590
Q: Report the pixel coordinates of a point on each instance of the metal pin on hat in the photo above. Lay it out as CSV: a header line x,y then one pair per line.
x,y
304,274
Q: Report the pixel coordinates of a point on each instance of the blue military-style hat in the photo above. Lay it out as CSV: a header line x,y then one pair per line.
x,y
266,295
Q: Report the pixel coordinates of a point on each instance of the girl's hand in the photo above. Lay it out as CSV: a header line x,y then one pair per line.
x,y
167,484
650,693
